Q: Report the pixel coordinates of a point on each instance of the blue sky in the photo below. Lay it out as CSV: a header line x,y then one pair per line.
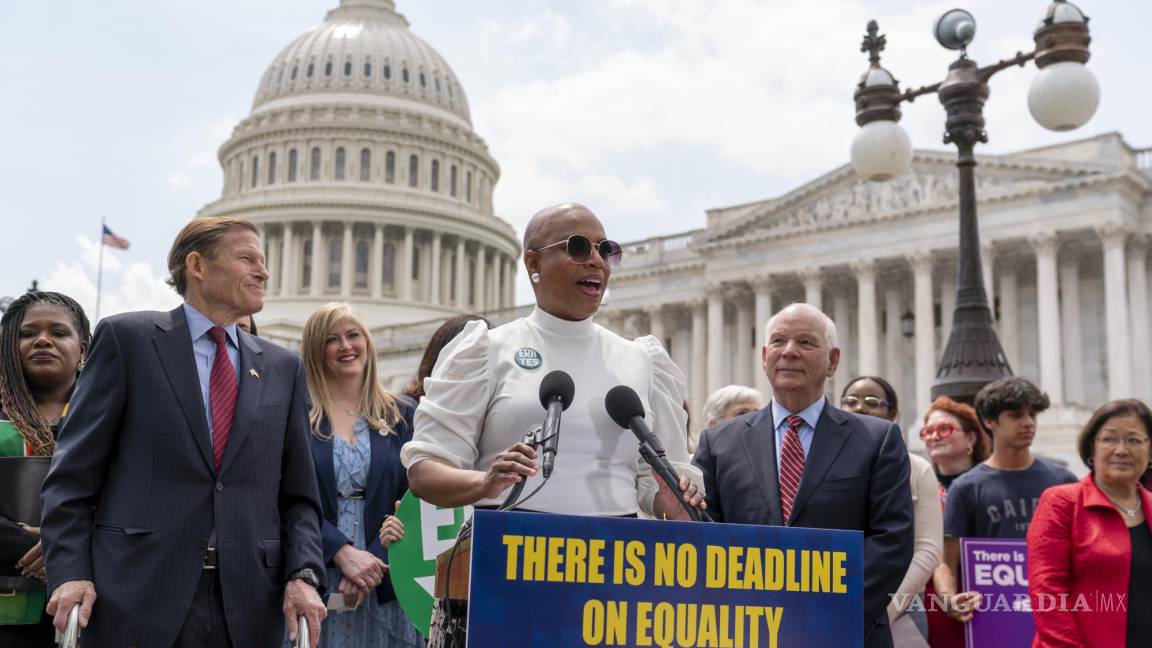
x,y
651,111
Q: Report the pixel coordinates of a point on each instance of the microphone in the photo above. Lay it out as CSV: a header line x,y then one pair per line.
x,y
625,407
556,392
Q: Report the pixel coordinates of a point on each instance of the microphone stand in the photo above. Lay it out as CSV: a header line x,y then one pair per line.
x,y
657,462
531,438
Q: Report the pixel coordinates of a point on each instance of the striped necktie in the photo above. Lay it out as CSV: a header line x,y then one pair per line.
x,y
791,466
222,389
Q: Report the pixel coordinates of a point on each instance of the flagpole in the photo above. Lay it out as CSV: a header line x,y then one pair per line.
x,y
99,270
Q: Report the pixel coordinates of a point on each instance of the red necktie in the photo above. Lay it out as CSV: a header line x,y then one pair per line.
x,y
222,390
791,466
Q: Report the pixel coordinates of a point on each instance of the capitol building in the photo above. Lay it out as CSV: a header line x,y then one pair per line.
x,y
360,166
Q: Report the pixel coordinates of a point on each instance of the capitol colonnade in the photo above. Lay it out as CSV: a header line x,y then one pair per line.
x,y
367,260
1065,244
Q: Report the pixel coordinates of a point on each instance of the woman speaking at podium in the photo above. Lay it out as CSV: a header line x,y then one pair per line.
x,y
483,396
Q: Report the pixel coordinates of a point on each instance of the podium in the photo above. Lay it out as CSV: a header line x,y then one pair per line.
x,y
453,567
558,580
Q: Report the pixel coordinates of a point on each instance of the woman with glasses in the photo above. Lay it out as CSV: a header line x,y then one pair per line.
x,y
873,396
955,442
483,397
1089,543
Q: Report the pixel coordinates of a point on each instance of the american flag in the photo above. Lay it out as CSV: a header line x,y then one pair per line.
x,y
112,240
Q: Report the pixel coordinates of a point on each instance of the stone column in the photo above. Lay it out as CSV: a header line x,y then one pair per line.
x,y
1048,316
925,335
656,324
893,338
1070,328
461,274
867,339
745,332
347,262
434,276
1009,311
510,283
763,288
841,310
715,339
699,381
318,248
287,261
947,304
987,256
1138,312
376,267
498,265
404,267
813,288
272,286
478,303
1116,312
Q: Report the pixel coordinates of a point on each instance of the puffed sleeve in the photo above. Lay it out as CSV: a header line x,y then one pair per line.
x,y
451,415
669,422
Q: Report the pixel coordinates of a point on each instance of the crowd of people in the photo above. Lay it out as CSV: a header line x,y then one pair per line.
x,y
209,488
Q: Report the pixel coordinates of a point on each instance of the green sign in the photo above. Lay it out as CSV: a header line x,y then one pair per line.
x,y
428,531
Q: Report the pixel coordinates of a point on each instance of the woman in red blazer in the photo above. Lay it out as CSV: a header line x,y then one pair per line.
x,y
1089,543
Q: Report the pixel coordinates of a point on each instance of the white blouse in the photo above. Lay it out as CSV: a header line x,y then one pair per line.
x,y
484,395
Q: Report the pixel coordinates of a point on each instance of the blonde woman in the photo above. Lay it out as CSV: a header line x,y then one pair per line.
x,y
357,431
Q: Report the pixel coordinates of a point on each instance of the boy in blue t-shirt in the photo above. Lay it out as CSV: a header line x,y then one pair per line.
x,y
996,498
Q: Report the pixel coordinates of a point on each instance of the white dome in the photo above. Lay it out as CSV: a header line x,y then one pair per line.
x,y
364,47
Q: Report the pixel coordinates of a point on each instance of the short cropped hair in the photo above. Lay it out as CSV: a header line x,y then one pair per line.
x,y
1009,394
720,399
199,235
829,324
1086,441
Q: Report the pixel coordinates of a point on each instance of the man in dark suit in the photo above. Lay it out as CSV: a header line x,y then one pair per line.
x,y
802,462
182,508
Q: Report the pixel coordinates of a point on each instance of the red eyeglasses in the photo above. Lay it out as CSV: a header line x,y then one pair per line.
x,y
940,430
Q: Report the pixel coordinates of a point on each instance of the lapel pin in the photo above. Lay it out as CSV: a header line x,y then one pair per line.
x,y
254,373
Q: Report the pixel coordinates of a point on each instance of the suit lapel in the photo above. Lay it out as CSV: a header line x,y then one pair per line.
x,y
827,442
174,347
325,465
376,463
759,441
252,378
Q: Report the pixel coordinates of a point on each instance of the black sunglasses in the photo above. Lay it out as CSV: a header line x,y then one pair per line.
x,y
579,249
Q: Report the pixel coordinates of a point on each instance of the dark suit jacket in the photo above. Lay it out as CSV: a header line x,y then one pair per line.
x,y
387,482
132,495
855,478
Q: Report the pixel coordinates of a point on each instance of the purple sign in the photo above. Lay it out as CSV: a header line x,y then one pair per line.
x,y
998,570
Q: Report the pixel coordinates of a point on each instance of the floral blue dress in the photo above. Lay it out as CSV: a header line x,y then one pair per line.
x,y
371,624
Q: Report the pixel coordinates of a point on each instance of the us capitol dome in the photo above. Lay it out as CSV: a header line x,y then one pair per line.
x,y
360,167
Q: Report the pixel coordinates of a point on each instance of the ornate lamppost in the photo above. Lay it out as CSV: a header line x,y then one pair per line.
x,y
1064,96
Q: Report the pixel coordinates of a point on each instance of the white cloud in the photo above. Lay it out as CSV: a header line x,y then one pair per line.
x,y
195,146
135,286
651,88
90,253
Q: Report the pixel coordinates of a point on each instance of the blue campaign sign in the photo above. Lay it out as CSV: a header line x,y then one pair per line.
x,y
559,580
